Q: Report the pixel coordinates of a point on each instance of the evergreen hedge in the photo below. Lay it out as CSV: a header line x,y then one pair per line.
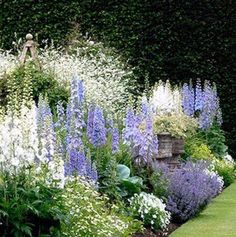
x,y
164,39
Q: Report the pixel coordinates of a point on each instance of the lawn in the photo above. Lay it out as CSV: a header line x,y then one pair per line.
x,y
217,220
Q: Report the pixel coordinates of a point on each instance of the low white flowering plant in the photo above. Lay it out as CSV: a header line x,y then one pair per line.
x,y
151,210
89,214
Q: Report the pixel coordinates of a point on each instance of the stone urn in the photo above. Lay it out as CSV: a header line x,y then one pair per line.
x,y
177,146
164,145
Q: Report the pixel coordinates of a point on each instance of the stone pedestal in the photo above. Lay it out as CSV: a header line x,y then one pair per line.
x,y
164,146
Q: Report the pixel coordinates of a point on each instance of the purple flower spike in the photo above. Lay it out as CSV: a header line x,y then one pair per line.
x,y
81,91
149,143
115,140
99,129
199,97
90,123
188,99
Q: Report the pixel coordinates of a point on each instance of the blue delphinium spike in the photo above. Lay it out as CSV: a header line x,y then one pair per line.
x,y
99,129
115,140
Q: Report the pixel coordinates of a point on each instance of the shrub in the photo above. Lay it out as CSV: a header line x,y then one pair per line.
x,y
89,215
206,144
150,209
198,151
191,187
42,83
225,170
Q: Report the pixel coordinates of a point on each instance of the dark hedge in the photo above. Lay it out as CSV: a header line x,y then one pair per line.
x,y
175,40
48,19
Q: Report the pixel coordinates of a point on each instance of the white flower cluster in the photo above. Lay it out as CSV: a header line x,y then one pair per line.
x,y
229,160
7,62
165,100
19,146
151,210
18,139
107,79
214,174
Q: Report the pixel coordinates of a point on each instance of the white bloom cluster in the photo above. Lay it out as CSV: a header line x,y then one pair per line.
x,y
107,79
19,146
229,160
7,62
151,210
214,174
165,100
18,139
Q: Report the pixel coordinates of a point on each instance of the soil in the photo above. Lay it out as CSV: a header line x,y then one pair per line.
x,y
148,233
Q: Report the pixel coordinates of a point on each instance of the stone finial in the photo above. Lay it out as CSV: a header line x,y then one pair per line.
x,y
29,37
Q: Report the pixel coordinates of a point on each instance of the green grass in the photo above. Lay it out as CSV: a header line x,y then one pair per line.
x,y
217,220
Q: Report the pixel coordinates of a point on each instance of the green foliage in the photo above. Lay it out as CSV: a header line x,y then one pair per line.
x,y
215,139
206,144
178,125
28,80
128,186
226,171
29,208
159,184
198,151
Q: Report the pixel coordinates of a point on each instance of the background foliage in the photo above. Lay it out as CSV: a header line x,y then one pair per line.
x,y
178,40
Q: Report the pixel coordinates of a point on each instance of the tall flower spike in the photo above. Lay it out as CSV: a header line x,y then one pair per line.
x,y
149,145
99,129
81,91
199,96
61,130
144,107
129,124
90,123
46,132
115,140
91,171
188,99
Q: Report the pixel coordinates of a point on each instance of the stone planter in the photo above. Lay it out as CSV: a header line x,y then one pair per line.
x,y
177,146
164,146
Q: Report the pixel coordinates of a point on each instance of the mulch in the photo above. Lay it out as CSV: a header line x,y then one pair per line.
x,y
148,233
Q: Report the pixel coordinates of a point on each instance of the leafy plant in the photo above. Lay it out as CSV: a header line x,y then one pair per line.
x,y
41,83
198,151
206,144
128,185
159,181
90,214
29,208
226,171
178,125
